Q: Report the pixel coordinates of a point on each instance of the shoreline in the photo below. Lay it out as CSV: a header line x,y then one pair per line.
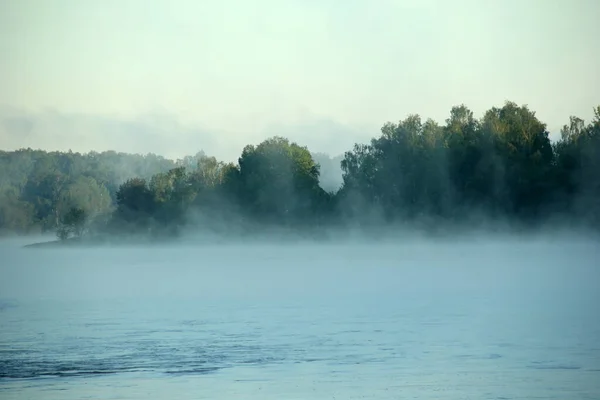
x,y
50,243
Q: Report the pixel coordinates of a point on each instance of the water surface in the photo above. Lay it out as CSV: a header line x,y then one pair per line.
x,y
480,320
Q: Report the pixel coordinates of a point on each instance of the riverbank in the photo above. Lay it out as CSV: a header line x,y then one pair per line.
x,y
53,243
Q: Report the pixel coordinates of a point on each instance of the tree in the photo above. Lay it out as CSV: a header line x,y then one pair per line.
x,y
577,169
172,194
43,191
523,158
16,216
86,194
279,182
72,224
502,165
135,206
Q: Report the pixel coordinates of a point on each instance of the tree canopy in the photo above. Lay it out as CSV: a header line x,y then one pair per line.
x,y
501,167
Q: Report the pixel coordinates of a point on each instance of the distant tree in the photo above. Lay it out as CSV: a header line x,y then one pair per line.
x,y
523,159
577,169
86,194
172,194
72,224
43,191
500,166
135,205
16,216
279,182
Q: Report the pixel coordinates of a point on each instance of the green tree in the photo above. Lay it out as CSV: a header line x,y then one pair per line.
x,y
577,169
279,182
84,193
43,191
135,206
72,224
523,158
16,216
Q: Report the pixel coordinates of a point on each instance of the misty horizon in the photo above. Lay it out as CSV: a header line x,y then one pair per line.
x,y
162,134
172,78
500,169
159,133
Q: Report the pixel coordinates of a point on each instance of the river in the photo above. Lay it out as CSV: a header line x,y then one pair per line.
x,y
479,319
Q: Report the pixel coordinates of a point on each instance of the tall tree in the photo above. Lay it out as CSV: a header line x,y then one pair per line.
x,y
279,181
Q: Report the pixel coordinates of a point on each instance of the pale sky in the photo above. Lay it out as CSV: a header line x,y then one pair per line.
x,y
173,77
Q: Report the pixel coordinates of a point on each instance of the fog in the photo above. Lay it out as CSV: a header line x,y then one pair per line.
x,y
216,76
288,241
474,316
163,133
301,270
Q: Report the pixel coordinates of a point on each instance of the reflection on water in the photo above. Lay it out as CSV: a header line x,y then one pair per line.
x,y
386,324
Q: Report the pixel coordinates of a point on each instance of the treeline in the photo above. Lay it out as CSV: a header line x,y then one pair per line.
x,y
499,168
37,188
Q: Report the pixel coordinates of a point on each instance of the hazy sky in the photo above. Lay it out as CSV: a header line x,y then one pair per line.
x,y
173,77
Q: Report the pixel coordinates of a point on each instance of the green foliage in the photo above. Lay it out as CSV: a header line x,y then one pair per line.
x,y
85,193
501,166
279,182
37,187
72,224
135,204
16,215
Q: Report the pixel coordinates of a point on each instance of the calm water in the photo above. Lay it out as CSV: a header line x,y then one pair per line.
x,y
510,320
